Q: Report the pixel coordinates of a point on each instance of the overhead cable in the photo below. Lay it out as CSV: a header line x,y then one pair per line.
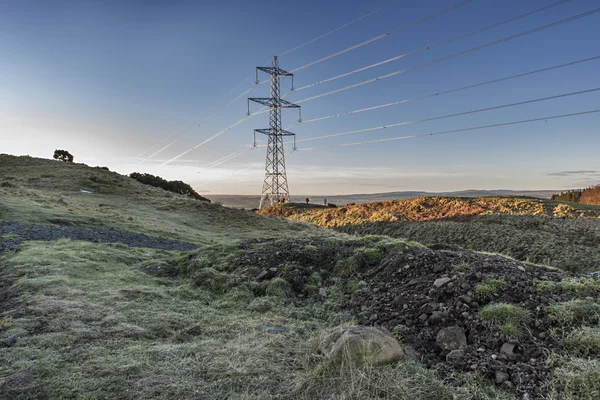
x,y
418,121
306,121
336,29
356,46
205,141
460,53
454,130
429,47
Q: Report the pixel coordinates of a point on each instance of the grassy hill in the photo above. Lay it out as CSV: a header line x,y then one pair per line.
x,y
240,317
564,235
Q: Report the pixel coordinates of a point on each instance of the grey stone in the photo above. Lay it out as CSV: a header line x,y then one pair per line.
x,y
501,377
437,317
440,282
273,329
452,338
507,348
454,356
359,345
9,341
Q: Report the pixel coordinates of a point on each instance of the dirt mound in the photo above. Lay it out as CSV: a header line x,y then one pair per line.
x,y
426,294
505,310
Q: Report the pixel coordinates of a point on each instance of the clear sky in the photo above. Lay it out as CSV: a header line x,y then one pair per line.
x,y
110,81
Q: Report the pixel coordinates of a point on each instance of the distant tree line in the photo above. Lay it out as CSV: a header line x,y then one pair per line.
x,y
172,186
589,195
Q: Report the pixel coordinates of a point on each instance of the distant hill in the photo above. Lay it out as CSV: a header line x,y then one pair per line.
x,y
249,202
562,235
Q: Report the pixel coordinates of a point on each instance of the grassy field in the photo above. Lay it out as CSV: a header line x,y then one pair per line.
x,y
562,235
107,321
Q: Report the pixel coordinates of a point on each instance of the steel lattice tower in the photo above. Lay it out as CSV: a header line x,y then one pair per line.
x,y
275,185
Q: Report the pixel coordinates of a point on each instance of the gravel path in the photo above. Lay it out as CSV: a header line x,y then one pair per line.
x,y
13,234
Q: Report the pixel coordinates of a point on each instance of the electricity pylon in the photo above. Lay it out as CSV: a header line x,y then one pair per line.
x,y
275,185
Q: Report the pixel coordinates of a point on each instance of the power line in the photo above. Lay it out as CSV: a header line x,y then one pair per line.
x,y
356,46
254,86
454,130
382,77
206,120
451,90
520,103
336,29
429,47
205,141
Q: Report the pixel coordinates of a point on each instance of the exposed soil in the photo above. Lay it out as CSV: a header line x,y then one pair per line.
x,y
13,234
401,296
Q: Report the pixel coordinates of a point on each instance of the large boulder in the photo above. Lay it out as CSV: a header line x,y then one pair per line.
x,y
359,345
452,338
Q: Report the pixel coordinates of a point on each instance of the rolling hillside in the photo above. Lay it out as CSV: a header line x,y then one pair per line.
x,y
125,291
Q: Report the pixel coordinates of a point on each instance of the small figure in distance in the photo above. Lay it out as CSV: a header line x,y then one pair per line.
x,y
325,202
306,200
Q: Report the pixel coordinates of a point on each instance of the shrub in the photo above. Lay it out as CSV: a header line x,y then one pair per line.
x,y
278,287
178,187
63,155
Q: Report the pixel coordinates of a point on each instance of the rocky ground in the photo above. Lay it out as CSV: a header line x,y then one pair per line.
x,y
431,299
434,308
12,234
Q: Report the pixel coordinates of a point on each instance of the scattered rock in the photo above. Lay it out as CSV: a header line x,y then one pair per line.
x,y
19,385
454,356
501,377
360,345
452,338
273,329
441,282
9,341
322,294
508,349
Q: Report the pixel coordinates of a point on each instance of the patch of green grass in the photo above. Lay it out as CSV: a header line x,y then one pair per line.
x,y
462,267
9,236
575,379
490,288
546,286
581,286
509,319
574,312
345,268
583,342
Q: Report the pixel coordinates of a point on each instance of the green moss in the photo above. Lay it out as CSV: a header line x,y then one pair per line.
x,y
345,268
461,267
509,319
546,286
489,289
278,287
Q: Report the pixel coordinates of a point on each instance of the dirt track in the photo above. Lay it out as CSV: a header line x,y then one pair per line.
x,y
13,234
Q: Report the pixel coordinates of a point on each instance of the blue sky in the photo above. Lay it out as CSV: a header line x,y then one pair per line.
x,y
109,80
